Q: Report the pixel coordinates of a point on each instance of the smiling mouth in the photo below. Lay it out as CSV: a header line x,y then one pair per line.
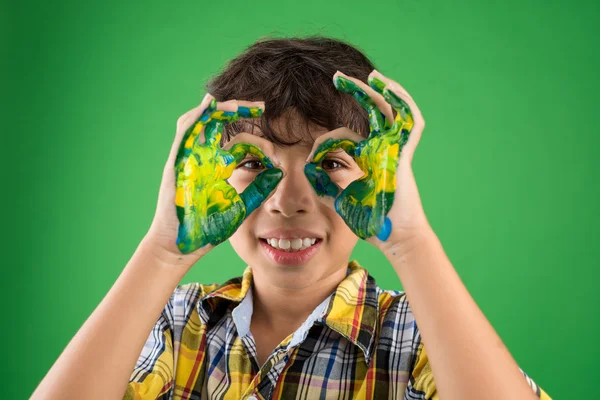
x,y
291,245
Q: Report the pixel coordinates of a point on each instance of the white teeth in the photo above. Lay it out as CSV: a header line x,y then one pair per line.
x,y
296,244
291,245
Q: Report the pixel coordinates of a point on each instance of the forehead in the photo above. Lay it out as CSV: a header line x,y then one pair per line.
x,y
283,131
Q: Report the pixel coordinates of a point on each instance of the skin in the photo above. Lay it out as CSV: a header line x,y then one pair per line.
x,y
468,359
365,202
209,209
284,296
310,197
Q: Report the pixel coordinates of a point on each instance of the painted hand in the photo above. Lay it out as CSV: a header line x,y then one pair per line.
x,y
209,209
383,206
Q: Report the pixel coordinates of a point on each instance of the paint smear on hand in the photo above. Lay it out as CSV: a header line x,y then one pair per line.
x,y
364,203
208,208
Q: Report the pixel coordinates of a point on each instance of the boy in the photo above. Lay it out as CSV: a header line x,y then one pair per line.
x,y
293,190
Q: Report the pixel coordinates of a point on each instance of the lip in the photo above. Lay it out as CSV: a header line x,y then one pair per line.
x,y
283,233
290,258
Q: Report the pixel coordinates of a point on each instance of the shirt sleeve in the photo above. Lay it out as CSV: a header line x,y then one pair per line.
x,y
422,385
152,377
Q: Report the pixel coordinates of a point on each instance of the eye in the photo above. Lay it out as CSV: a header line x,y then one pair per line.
x,y
332,164
251,164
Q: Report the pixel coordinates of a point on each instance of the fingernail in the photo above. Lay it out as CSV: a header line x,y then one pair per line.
x,y
206,100
400,89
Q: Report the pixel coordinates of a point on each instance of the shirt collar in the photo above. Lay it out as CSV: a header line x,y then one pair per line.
x,y
242,314
352,309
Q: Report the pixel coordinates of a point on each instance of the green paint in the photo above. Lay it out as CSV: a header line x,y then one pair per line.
x,y
209,209
365,203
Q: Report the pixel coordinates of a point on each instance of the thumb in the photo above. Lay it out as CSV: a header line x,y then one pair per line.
x,y
260,188
320,181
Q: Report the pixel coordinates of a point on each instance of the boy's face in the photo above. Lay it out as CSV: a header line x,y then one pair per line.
x,y
294,216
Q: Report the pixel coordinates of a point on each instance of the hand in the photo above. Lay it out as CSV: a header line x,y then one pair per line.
x,y
197,208
383,206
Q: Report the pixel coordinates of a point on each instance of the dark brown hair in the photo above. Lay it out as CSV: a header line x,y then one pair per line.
x,y
294,77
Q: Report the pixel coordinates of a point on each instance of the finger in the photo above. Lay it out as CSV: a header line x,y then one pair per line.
x,y
320,181
186,120
378,82
337,135
408,118
193,133
209,110
227,113
331,145
363,212
212,120
403,122
380,112
250,109
260,189
244,143
240,150
183,124
224,212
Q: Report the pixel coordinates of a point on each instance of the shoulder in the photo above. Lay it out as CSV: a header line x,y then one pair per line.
x,y
391,304
394,315
396,318
399,334
190,292
390,300
196,289
184,300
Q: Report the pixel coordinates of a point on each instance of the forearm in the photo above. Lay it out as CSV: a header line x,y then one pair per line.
x,y
468,359
98,361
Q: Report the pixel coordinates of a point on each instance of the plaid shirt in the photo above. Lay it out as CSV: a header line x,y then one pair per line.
x,y
362,342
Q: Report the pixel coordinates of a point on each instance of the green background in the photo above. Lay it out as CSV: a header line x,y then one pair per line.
x,y
507,166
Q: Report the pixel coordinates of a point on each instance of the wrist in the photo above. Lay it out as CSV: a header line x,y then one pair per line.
x,y
408,242
166,258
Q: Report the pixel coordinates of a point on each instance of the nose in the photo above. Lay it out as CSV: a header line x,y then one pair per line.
x,y
293,195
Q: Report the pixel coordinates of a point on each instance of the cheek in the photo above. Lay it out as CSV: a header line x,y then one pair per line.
x,y
240,180
341,236
243,238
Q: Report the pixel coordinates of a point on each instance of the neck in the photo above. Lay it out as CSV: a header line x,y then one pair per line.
x,y
282,308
